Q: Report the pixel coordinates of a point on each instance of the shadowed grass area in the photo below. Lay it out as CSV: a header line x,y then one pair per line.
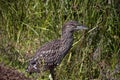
x,y
11,74
25,25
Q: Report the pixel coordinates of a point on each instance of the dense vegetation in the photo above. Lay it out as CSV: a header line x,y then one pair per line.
x,y
27,24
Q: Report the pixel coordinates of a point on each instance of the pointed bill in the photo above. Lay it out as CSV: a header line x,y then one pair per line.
x,y
80,27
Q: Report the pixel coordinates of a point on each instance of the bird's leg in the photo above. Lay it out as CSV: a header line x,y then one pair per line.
x,y
52,74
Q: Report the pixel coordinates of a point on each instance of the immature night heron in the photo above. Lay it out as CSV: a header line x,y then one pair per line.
x,y
52,53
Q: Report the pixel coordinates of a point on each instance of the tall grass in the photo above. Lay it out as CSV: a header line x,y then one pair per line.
x,y
25,25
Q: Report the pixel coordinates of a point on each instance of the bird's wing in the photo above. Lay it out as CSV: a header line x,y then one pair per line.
x,y
49,52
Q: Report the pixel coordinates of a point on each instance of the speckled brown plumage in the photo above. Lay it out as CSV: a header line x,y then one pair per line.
x,y
51,54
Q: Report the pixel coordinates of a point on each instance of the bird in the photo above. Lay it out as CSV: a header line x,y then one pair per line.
x,y
51,54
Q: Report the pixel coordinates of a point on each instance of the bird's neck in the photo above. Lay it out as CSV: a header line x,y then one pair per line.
x,y
67,36
67,40
66,44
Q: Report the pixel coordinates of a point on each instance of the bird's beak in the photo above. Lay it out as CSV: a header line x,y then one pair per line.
x,y
80,27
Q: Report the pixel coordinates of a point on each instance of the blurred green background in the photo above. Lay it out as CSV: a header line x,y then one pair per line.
x,y
25,25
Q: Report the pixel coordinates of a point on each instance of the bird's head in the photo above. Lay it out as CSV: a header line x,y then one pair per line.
x,y
72,26
33,66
